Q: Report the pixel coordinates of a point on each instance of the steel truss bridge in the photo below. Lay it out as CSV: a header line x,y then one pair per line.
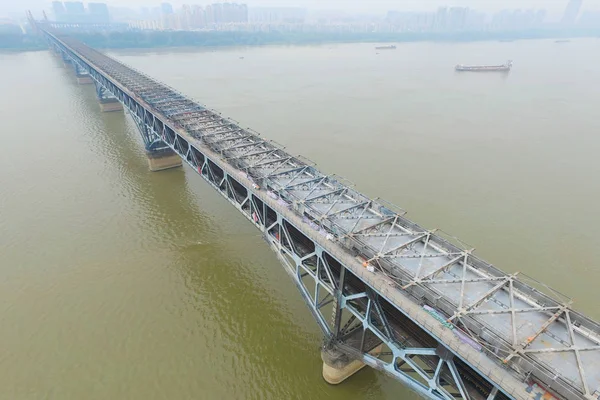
x,y
387,293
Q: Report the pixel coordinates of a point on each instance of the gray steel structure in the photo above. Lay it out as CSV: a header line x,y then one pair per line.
x,y
414,303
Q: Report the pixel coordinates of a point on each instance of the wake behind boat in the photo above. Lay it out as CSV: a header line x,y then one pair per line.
x,y
485,68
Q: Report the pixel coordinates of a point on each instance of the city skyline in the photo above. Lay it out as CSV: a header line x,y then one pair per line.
x,y
555,8
230,16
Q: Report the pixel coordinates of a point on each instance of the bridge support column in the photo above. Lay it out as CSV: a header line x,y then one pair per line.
x,y
338,366
66,60
159,160
84,79
108,102
83,76
110,105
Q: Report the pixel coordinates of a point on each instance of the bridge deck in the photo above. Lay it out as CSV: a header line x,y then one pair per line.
x,y
514,320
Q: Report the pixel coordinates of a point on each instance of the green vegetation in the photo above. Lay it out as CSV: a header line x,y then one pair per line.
x,y
21,42
152,39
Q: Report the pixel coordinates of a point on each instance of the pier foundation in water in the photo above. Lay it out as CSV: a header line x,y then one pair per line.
x,y
110,105
84,79
163,159
338,366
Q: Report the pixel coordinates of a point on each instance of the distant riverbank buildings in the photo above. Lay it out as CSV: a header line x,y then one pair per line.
x,y
218,16
75,11
192,17
229,16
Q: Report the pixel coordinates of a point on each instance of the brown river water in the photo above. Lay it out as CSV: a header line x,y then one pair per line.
x,y
120,283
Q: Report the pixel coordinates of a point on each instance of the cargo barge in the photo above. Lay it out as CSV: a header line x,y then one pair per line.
x,y
390,47
485,68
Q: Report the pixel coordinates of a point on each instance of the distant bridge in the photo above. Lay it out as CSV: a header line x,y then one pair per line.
x,y
82,26
386,292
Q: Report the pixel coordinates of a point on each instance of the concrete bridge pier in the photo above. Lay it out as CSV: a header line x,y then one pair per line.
x,y
108,102
84,79
159,160
110,105
339,366
160,156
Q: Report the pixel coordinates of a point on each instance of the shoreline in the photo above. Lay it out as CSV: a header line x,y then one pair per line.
x,y
169,40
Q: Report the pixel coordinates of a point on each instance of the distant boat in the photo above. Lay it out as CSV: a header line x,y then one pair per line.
x,y
562,41
485,68
506,40
390,47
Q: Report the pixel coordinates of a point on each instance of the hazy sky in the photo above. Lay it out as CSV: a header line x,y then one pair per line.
x,y
554,7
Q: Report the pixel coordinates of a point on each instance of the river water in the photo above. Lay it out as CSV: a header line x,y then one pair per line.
x,y
116,282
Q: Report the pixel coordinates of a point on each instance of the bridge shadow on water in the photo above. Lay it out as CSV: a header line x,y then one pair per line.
x,y
230,277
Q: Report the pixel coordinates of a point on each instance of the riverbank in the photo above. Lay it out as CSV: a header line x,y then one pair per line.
x,y
157,39
11,42
172,39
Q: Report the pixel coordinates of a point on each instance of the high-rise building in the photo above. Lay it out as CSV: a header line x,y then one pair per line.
x,y
228,12
170,21
185,18
198,17
441,19
571,12
411,21
166,8
59,10
218,13
457,18
475,21
244,12
74,11
277,14
209,15
167,16
232,12
74,7
98,12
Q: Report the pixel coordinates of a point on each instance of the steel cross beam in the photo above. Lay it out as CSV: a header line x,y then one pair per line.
x,y
296,175
239,146
264,152
313,181
521,348
465,310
